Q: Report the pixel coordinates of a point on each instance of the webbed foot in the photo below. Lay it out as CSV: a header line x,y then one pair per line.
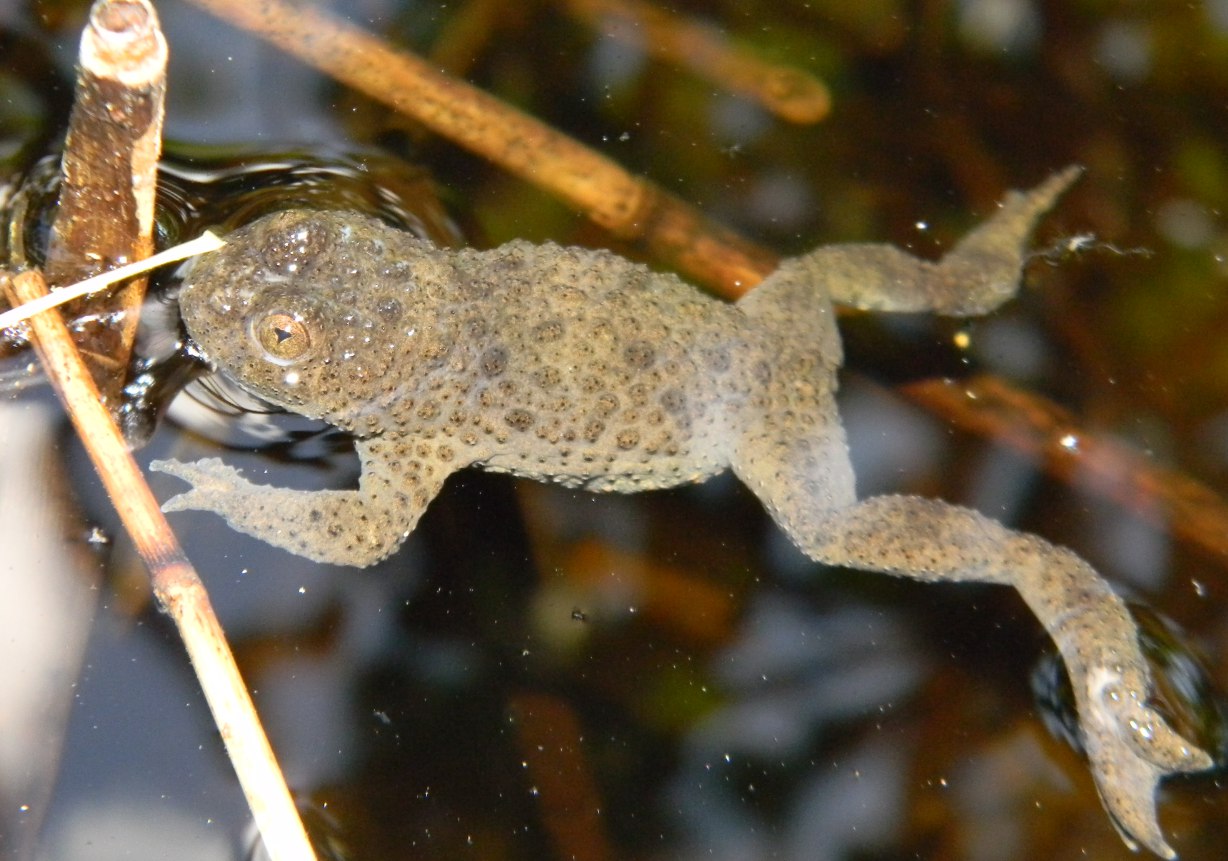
x,y
1131,749
212,483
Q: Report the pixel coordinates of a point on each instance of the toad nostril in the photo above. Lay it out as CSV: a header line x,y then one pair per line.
x,y
295,247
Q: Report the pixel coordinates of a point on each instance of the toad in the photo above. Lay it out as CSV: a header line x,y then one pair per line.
x,y
582,368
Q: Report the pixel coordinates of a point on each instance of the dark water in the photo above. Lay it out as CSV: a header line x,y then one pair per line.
x,y
535,655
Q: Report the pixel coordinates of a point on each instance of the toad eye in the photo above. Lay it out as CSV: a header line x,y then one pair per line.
x,y
283,337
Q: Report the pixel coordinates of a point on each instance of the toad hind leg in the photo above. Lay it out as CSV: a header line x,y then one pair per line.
x,y
1129,746
797,465
977,275
790,451
342,527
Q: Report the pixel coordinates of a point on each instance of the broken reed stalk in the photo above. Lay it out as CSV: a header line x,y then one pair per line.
x,y
207,241
627,206
1041,430
175,583
790,93
105,217
551,743
105,214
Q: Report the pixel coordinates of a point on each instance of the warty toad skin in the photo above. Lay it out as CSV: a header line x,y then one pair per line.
x,y
582,368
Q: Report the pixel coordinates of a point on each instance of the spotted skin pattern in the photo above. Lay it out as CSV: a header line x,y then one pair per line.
x,y
582,368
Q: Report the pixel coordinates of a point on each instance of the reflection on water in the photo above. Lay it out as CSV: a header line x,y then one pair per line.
x,y
792,681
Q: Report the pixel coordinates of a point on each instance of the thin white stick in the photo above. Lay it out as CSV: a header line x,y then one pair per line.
x,y
207,241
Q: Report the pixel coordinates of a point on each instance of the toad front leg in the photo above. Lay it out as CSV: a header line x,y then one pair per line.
x,y
343,527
